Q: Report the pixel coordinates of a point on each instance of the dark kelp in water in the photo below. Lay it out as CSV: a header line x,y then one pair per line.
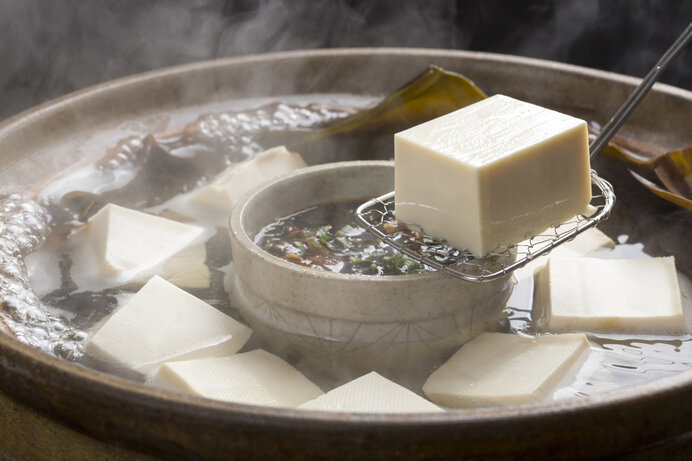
x,y
672,169
433,93
436,92
324,134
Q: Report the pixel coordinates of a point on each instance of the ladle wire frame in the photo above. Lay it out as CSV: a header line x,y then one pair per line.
x,y
377,215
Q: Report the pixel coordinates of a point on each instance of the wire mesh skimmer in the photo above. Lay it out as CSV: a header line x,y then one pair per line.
x,y
377,215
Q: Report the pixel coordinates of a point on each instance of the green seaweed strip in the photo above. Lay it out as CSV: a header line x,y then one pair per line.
x,y
433,93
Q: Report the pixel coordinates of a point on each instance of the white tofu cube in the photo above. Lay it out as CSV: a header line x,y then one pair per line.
x,y
254,378
492,173
371,393
213,202
120,243
161,323
187,268
589,241
609,295
501,369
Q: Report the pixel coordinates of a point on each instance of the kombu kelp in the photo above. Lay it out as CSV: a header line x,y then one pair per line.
x,y
436,92
176,161
672,170
433,93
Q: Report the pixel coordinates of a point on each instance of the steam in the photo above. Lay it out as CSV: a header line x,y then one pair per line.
x,y
51,48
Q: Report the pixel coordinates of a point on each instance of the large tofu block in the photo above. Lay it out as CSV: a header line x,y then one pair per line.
x,y
214,201
492,173
501,369
120,242
161,323
255,378
371,393
609,295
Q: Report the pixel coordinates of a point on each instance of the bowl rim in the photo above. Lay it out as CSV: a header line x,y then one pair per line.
x,y
237,227
31,364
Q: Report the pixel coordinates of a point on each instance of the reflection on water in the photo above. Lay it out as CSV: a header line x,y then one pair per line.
x,y
616,359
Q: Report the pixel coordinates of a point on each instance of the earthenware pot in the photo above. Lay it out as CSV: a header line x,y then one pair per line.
x,y
53,409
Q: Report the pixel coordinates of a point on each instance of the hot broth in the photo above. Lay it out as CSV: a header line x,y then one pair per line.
x,y
56,315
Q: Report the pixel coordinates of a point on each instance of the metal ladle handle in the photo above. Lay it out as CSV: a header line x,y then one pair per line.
x,y
638,94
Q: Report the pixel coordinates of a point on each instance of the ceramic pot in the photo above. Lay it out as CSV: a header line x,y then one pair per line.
x,y
53,409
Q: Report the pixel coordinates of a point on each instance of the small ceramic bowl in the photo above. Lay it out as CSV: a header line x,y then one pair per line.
x,y
350,324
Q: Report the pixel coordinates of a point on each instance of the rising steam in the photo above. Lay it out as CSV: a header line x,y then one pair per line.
x,y
49,48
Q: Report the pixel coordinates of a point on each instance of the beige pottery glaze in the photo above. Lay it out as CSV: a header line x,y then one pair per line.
x,y
52,409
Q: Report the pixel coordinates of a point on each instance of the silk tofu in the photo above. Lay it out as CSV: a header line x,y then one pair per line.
x,y
122,243
589,241
215,201
500,369
371,393
255,378
492,173
187,268
161,323
609,295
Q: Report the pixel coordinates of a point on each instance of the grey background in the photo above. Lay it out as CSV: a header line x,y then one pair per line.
x,y
52,47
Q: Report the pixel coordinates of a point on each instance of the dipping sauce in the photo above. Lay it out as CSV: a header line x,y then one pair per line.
x,y
326,237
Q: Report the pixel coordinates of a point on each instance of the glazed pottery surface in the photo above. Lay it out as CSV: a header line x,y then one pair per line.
x,y
115,417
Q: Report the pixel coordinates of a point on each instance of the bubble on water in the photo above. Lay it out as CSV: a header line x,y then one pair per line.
x,y
23,229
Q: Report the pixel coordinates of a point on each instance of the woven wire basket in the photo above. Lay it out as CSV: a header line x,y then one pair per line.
x,y
377,215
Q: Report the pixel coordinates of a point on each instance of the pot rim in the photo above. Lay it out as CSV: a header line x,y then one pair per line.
x,y
41,110
28,362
